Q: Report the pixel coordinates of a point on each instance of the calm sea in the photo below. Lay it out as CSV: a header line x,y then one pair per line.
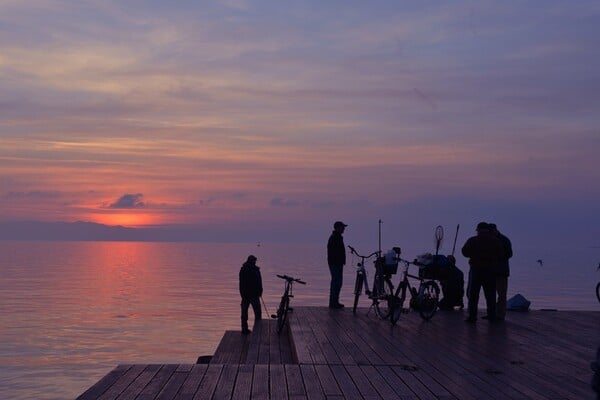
x,y
71,311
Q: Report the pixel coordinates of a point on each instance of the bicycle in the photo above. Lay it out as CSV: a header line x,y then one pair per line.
x,y
382,285
424,300
284,304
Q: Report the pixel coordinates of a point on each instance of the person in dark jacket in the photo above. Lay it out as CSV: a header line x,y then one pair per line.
x,y
453,286
502,273
336,258
484,252
251,290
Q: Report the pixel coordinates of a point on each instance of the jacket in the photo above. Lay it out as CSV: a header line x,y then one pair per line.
x,y
250,281
484,252
336,251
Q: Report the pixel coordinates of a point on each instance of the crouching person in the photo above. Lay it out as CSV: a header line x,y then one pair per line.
x,y
251,290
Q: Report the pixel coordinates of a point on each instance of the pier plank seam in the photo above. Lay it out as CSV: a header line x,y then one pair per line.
x,y
192,383
243,385
143,379
310,350
103,384
122,383
209,381
312,385
160,379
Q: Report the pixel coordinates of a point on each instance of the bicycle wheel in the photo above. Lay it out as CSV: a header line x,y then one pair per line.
x,y
428,299
282,313
383,300
398,303
395,308
357,290
598,291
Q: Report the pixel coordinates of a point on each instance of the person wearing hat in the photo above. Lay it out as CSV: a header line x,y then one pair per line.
x,y
336,258
484,252
502,272
250,289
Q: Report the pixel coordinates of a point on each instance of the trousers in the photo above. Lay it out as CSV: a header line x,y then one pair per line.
x,y
337,278
501,289
246,303
480,278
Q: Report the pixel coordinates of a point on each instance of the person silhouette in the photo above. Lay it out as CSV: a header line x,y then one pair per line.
x,y
484,252
251,290
336,258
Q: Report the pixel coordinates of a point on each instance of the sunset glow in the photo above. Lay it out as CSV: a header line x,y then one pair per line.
x,y
125,219
237,114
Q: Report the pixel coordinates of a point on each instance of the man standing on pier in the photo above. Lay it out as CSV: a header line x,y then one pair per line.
x,y
484,252
336,258
250,289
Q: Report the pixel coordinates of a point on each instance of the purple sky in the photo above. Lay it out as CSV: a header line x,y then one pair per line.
x,y
277,118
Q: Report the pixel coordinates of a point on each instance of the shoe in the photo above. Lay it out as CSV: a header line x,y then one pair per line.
x,y
485,317
471,320
339,305
246,331
336,306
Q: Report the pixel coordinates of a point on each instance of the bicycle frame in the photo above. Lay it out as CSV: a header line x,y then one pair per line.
x,y
378,294
405,282
361,270
361,277
424,300
284,304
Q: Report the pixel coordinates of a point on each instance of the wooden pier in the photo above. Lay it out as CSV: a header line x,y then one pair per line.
x,y
333,354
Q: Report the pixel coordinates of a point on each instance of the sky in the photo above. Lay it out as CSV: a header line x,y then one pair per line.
x,y
271,119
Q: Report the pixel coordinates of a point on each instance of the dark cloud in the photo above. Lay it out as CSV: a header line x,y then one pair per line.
x,y
129,201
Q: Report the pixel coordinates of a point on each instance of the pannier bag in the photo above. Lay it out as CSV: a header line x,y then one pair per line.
x,y
433,266
389,262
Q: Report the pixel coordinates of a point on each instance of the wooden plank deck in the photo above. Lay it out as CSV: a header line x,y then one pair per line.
x,y
263,346
333,354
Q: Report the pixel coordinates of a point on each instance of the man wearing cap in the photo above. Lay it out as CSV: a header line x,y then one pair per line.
x,y
484,252
250,289
502,272
336,258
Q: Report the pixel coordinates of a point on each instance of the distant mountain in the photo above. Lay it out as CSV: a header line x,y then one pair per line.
x,y
35,230
90,231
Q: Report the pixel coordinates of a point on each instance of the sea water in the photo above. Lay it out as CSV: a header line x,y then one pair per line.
x,y
72,311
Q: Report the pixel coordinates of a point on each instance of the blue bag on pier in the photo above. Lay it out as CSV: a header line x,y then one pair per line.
x,y
518,303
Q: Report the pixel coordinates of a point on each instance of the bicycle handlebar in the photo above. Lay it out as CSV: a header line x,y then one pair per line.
x,y
353,250
290,279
